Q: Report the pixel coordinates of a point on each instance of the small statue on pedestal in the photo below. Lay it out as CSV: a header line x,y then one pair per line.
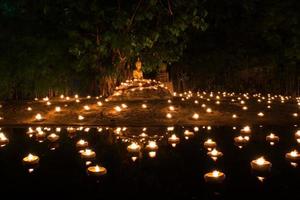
x,y
138,73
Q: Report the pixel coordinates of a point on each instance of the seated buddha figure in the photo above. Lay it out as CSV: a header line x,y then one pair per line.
x,y
138,73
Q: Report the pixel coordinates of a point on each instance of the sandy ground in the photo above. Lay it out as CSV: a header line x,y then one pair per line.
x,y
16,114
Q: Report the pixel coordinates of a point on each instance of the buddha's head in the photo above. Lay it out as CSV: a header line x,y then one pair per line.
x,y
138,64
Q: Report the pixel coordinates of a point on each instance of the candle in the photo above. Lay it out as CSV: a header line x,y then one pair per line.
x,y
99,103
195,116
188,134
82,144
214,177
152,146
133,148
171,108
215,154
272,138
173,140
38,117
246,130
208,110
169,116
260,114
53,137
80,117
152,154
40,135
297,134
240,141
293,156
57,109
3,140
118,109
96,170
31,159
261,164
144,106
210,144
88,154
86,108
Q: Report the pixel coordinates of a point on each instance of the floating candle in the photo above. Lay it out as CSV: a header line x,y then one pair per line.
x,y
96,170
82,144
173,140
210,144
133,148
57,109
272,138
214,177
195,116
169,116
261,164
38,117
293,156
3,140
188,134
31,159
240,141
151,146
215,154
53,137
88,154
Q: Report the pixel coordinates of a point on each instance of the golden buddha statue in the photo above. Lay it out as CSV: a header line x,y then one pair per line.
x,y
138,73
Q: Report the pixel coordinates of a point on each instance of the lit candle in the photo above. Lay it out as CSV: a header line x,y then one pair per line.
x,y
246,130
96,170
53,137
80,117
214,177
151,146
133,148
169,116
261,164
57,109
144,106
38,117
118,109
3,140
31,159
240,141
173,140
82,144
215,154
272,138
293,156
195,116
88,154
260,114
86,108
210,144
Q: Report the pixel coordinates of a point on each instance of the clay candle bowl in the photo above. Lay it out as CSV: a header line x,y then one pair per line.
x,y
214,177
151,146
272,138
88,154
188,134
241,141
81,144
53,137
246,130
215,154
3,140
173,140
293,156
261,165
96,170
31,160
133,148
38,117
210,144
